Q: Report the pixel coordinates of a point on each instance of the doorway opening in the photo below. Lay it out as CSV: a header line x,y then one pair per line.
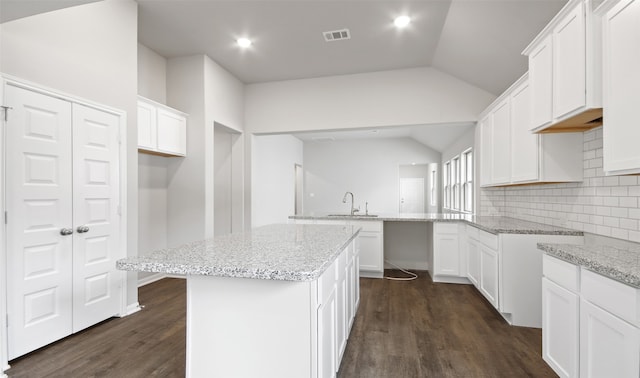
x,y
416,189
227,180
299,188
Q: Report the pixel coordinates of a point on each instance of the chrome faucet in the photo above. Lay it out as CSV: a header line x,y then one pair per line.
x,y
344,200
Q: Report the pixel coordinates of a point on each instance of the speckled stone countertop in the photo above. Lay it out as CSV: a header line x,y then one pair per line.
x,y
273,252
494,225
621,263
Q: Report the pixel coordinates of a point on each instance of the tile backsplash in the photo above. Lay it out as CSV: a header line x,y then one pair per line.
x,y
603,205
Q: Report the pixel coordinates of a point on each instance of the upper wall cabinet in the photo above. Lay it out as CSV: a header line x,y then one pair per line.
x,y
621,85
161,129
565,71
510,154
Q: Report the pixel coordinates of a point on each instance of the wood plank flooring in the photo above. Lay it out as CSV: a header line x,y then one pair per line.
x,y
402,329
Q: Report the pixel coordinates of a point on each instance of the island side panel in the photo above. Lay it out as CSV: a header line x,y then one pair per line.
x,y
239,327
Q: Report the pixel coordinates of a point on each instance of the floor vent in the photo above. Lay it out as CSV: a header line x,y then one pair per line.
x,y
336,35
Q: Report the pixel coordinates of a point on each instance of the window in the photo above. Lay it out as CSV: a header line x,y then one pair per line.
x,y
467,181
455,179
434,186
446,182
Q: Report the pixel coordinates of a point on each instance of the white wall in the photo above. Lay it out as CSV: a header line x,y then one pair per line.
x,y
224,105
89,51
222,181
208,93
152,203
387,98
366,167
152,170
273,193
186,176
152,74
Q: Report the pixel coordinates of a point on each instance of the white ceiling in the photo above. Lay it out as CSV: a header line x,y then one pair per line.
x,y
479,41
437,136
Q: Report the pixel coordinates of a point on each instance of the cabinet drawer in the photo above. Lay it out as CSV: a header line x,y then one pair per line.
x,y
561,272
490,240
619,299
472,232
446,228
373,226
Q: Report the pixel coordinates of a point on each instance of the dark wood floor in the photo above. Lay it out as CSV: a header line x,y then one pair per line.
x,y
403,329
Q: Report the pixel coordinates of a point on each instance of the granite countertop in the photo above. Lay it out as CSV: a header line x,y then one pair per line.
x,y
273,252
494,225
621,263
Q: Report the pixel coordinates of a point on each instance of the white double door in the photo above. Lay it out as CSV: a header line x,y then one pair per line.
x,y
62,198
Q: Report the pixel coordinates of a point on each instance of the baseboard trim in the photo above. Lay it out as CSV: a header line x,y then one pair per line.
x,y
132,309
152,278
412,265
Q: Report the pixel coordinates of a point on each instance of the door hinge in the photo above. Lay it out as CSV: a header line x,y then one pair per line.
x,y
6,217
7,317
119,210
6,111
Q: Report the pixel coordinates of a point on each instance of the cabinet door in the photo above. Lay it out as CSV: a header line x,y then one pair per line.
x,y
621,87
327,337
147,138
342,321
489,274
569,62
473,262
540,79
446,255
172,129
524,143
486,150
370,251
501,144
560,329
609,346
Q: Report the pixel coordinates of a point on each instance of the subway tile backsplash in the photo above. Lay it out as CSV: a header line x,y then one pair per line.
x,y
603,205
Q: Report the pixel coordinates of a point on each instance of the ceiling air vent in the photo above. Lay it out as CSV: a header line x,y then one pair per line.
x,y
336,35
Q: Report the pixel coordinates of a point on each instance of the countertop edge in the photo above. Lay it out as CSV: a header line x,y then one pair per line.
x,y
134,265
603,269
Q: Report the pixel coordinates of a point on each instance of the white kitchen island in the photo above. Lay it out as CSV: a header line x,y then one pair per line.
x,y
278,301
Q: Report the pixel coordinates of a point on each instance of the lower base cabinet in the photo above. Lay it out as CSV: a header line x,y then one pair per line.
x,y
288,329
560,328
488,283
609,346
590,323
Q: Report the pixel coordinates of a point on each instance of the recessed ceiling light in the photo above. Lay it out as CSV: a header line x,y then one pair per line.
x,y
244,42
402,21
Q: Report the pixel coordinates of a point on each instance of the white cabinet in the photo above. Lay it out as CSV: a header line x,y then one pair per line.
x,y
560,316
609,346
370,244
524,144
371,248
501,144
512,155
590,323
449,258
541,78
621,87
328,323
565,68
486,149
473,256
161,129
489,274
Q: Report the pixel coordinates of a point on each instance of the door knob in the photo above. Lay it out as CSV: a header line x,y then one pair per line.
x,y
82,229
66,231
